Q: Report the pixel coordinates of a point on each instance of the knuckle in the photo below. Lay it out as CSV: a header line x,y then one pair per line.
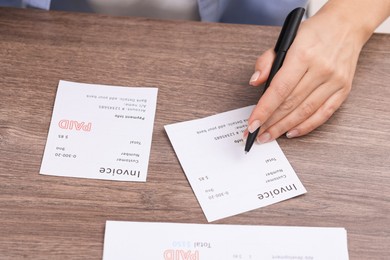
x,y
308,128
264,60
307,109
305,55
259,63
288,104
265,110
327,68
276,131
325,65
342,79
328,111
283,88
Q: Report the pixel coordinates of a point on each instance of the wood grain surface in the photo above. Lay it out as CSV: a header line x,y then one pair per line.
x,y
200,69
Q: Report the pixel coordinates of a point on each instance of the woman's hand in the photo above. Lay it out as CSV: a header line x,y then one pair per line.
x,y
316,76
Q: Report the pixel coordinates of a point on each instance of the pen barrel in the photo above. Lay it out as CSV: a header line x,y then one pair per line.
x,y
286,38
277,64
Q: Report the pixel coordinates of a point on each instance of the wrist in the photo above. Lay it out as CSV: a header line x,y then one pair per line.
x,y
358,19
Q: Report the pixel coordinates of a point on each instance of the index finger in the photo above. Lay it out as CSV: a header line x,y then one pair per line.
x,y
285,80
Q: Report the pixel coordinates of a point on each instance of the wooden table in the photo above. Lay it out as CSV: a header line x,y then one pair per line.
x,y
200,69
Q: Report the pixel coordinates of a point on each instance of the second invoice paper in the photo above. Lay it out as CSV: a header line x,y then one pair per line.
x,y
178,241
100,132
225,180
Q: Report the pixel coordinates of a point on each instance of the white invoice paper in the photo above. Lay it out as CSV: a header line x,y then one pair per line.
x,y
173,241
225,180
100,132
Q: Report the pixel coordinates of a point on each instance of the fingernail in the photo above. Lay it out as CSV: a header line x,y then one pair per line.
x,y
292,133
264,138
253,127
254,77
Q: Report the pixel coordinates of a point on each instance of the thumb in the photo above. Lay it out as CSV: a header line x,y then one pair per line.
x,y
262,68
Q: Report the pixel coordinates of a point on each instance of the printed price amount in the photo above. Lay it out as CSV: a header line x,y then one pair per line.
x,y
65,155
218,195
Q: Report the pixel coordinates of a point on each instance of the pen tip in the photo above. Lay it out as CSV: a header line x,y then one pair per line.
x,y
246,152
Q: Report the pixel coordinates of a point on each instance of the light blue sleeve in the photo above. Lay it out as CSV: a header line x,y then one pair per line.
x,y
212,10
264,12
11,3
42,4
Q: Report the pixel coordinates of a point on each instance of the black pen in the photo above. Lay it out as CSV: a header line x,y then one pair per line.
x,y
286,37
